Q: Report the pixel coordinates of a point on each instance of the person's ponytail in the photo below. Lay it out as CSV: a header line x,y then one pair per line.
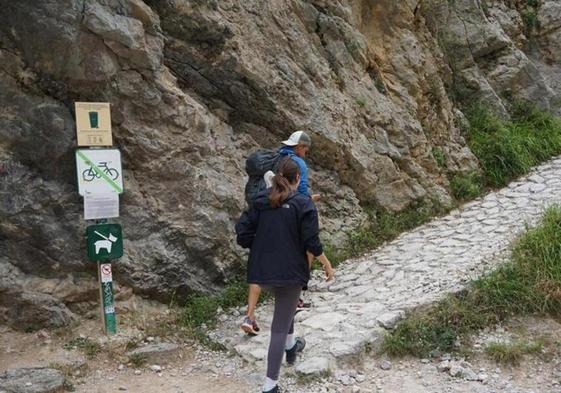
x,y
284,179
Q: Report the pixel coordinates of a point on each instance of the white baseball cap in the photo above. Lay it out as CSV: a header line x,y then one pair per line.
x,y
297,138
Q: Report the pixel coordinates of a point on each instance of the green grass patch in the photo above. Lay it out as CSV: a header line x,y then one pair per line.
x,y
532,3
509,149
85,345
531,21
529,283
439,156
138,359
466,186
361,102
512,353
201,311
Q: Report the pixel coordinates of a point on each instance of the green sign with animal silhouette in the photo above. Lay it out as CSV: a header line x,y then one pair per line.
x,y
105,241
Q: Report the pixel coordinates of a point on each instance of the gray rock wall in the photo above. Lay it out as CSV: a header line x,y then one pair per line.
x,y
196,85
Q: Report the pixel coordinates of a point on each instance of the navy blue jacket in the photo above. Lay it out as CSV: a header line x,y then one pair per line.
x,y
278,239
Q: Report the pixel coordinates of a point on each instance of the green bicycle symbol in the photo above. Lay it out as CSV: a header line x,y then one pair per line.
x,y
90,174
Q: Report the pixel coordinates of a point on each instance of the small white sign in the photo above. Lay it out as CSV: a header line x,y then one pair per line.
x,y
98,206
99,171
106,275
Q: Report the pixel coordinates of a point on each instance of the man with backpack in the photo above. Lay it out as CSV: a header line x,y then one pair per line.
x,y
296,147
257,165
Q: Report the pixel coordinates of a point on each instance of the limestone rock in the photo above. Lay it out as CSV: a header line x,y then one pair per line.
x,y
314,366
155,352
32,380
390,319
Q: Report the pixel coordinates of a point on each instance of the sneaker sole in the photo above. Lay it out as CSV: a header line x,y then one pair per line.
x,y
248,329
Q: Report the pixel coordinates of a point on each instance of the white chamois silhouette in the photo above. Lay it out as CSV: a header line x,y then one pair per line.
x,y
106,244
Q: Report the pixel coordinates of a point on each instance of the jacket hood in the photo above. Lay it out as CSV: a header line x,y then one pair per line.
x,y
261,201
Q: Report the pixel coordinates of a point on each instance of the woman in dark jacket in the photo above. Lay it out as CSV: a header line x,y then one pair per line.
x,y
279,228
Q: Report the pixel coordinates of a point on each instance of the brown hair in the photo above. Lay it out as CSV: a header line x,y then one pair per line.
x,y
286,176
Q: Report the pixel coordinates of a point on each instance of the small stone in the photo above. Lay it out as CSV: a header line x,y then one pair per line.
x,y
443,366
137,372
390,319
156,368
385,365
315,365
469,375
123,388
425,361
155,352
345,380
435,353
28,384
149,339
455,370
121,367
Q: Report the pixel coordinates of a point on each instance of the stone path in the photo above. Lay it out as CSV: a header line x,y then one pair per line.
x,y
372,293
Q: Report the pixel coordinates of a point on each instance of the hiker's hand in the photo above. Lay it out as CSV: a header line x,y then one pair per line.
x,y
329,272
316,197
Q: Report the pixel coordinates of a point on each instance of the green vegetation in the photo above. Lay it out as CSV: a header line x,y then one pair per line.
x,y
361,102
511,353
531,21
439,156
532,3
485,7
201,309
529,283
466,186
87,346
508,149
200,313
138,359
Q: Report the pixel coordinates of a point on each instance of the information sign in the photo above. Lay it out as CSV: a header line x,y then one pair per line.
x,y
93,124
99,206
99,171
105,241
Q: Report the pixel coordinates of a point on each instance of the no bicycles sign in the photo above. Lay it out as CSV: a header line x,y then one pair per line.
x,y
99,171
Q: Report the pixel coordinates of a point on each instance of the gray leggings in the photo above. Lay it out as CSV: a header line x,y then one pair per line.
x,y
286,300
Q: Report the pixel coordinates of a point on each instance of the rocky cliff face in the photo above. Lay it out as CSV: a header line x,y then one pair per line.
x,y
196,85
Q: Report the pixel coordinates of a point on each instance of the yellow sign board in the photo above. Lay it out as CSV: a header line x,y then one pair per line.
x,y
93,124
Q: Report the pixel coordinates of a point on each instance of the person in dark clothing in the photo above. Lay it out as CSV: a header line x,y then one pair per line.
x,y
279,229
295,147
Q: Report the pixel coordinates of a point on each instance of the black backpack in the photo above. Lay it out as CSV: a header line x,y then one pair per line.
x,y
256,165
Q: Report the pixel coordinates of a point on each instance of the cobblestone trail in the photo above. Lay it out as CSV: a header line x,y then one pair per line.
x,y
372,293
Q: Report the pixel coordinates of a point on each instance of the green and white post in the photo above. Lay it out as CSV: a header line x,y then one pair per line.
x,y
105,243
106,297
